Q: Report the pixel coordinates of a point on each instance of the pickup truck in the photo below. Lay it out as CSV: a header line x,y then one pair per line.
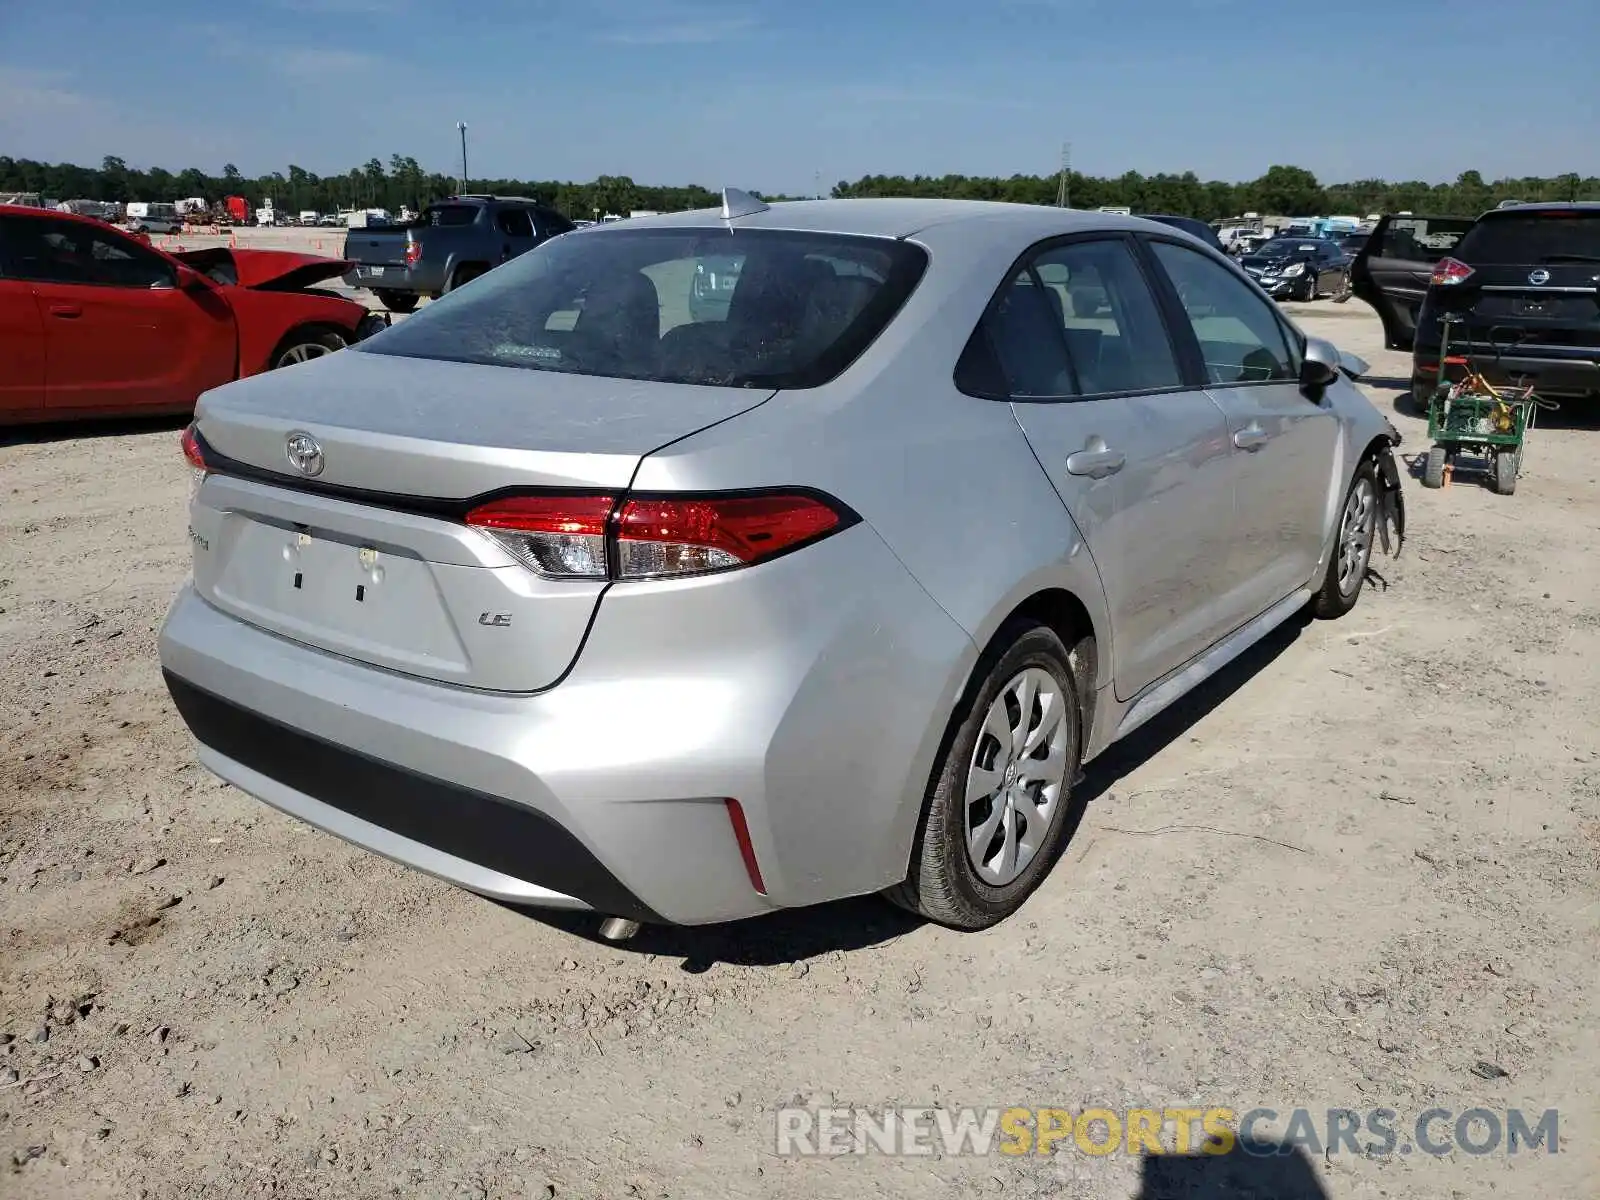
x,y
449,244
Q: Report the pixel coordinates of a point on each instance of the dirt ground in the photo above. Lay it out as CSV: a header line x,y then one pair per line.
x,y
1362,870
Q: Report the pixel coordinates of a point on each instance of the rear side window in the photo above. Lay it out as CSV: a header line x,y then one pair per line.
x,y
1532,238
1077,320
1421,239
450,214
751,308
514,222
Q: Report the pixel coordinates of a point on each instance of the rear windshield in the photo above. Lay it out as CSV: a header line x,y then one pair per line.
x,y
750,308
450,214
1532,238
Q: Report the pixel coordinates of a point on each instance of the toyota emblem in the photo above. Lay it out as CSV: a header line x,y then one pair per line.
x,y
1538,276
304,453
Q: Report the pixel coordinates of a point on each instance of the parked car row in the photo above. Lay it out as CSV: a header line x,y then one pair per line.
x,y
697,566
95,321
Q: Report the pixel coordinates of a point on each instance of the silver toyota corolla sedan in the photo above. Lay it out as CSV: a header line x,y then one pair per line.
x,y
708,564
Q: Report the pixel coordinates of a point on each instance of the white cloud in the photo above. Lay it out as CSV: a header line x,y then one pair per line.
x,y
28,91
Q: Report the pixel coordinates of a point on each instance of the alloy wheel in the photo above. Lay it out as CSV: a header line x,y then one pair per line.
x,y
1356,527
303,352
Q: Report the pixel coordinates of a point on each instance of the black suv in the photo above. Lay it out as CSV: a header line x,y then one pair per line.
x,y
1524,282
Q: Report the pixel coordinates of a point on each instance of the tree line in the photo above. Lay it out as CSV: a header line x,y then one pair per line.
x,y
1282,190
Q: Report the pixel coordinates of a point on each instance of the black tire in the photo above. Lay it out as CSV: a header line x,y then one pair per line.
x,y
1420,396
464,275
399,302
313,342
943,884
1333,600
1433,472
1308,290
1506,464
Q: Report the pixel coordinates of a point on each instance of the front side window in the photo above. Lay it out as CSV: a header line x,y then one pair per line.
x,y
1241,339
69,252
752,308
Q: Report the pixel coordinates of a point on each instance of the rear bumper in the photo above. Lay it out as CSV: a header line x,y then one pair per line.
x,y
1575,375
813,690
443,828
394,279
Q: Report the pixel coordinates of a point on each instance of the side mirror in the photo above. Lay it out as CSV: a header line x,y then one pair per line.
x,y
1320,367
190,280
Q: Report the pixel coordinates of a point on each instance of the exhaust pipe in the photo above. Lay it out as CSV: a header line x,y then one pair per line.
x,y
618,929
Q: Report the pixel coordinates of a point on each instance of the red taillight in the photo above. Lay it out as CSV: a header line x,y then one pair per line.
x,y
559,536
1449,271
192,449
575,537
747,849
413,253
687,536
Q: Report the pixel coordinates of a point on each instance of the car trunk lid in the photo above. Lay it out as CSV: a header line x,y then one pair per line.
x,y
1535,280
381,246
370,558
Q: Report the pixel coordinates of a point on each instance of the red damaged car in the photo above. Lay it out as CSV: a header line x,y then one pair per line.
x,y
94,322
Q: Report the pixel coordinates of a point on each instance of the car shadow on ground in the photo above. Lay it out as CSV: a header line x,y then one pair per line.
x,y
61,431
794,935
1251,1170
1386,383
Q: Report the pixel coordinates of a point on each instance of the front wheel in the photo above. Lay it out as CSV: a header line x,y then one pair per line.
x,y
1506,465
1308,289
1352,547
1433,471
303,347
994,820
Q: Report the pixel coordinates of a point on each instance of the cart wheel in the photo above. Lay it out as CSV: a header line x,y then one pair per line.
x,y
1505,472
1433,473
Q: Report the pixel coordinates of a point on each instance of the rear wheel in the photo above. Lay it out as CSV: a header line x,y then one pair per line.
x,y
463,276
1352,547
305,345
1506,465
1433,473
993,822
400,302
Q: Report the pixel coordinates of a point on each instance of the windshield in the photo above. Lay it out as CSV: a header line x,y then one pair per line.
x,y
1284,247
750,308
1532,238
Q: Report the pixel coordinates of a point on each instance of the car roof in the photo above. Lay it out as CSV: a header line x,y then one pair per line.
x,y
24,210
1554,206
894,218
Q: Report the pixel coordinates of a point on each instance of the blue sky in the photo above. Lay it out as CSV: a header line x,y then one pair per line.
x,y
768,94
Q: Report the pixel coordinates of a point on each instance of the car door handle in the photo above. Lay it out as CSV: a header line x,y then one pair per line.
x,y
1252,438
1096,460
68,311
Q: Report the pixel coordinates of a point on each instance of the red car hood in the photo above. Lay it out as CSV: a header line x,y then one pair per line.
x,y
272,270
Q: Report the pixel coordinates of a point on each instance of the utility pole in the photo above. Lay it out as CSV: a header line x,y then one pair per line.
x,y
1064,188
462,127
819,185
